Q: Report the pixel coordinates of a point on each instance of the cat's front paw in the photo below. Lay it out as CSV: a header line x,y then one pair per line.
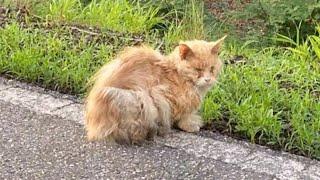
x,y
191,124
189,128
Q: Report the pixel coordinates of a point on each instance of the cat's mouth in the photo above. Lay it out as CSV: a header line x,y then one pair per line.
x,y
205,85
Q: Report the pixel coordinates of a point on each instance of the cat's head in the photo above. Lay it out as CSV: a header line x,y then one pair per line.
x,y
202,61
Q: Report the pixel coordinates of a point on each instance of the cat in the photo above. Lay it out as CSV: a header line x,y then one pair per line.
x,y
143,93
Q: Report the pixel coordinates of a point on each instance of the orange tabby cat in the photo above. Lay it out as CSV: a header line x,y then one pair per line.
x,y
143,93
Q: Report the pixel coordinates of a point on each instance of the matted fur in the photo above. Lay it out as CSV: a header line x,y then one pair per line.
x,y
143,93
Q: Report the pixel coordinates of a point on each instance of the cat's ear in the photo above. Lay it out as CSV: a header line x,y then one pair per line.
x,y
184,51
217,45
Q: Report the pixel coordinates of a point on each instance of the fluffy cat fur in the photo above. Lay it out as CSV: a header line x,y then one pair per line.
x,y
143,93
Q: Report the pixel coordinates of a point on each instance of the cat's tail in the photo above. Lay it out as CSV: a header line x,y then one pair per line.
x,y
125,116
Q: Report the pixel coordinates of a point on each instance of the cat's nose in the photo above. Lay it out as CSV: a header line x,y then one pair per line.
x,y
207,79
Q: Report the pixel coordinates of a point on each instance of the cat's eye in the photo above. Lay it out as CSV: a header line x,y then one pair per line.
x,y
198,69
212,69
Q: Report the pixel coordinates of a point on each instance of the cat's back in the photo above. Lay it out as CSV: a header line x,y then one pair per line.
x,y
136,68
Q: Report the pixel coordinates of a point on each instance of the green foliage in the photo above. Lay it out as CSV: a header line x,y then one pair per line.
x,y
64,10
308,50
283,16
121,15
315,45
269,103
274,98
53,61
260,20
118,15
190,26
57,58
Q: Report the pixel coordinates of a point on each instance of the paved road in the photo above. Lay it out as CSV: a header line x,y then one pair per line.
x,y
36,146
42,137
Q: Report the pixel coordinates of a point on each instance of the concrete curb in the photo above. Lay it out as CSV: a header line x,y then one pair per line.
x,y
249,157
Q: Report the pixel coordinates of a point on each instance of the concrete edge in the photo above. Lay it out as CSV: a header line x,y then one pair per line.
x,y
247,156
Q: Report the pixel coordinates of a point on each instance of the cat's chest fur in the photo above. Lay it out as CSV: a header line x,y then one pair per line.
x,y
180,94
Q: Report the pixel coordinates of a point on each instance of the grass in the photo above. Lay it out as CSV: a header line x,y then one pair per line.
x,y
118,15
55,57
267,94
272,99
55,62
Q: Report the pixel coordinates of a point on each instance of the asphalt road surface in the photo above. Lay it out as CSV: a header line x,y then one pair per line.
x,y
42,137
34,146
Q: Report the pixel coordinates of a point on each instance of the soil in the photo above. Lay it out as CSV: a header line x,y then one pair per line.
x,y
223,10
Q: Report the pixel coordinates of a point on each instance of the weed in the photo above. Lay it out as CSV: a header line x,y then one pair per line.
x,y
64,10
120,15
273,98
45,58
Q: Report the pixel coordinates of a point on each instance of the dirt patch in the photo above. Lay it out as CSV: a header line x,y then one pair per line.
x,y
225,11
